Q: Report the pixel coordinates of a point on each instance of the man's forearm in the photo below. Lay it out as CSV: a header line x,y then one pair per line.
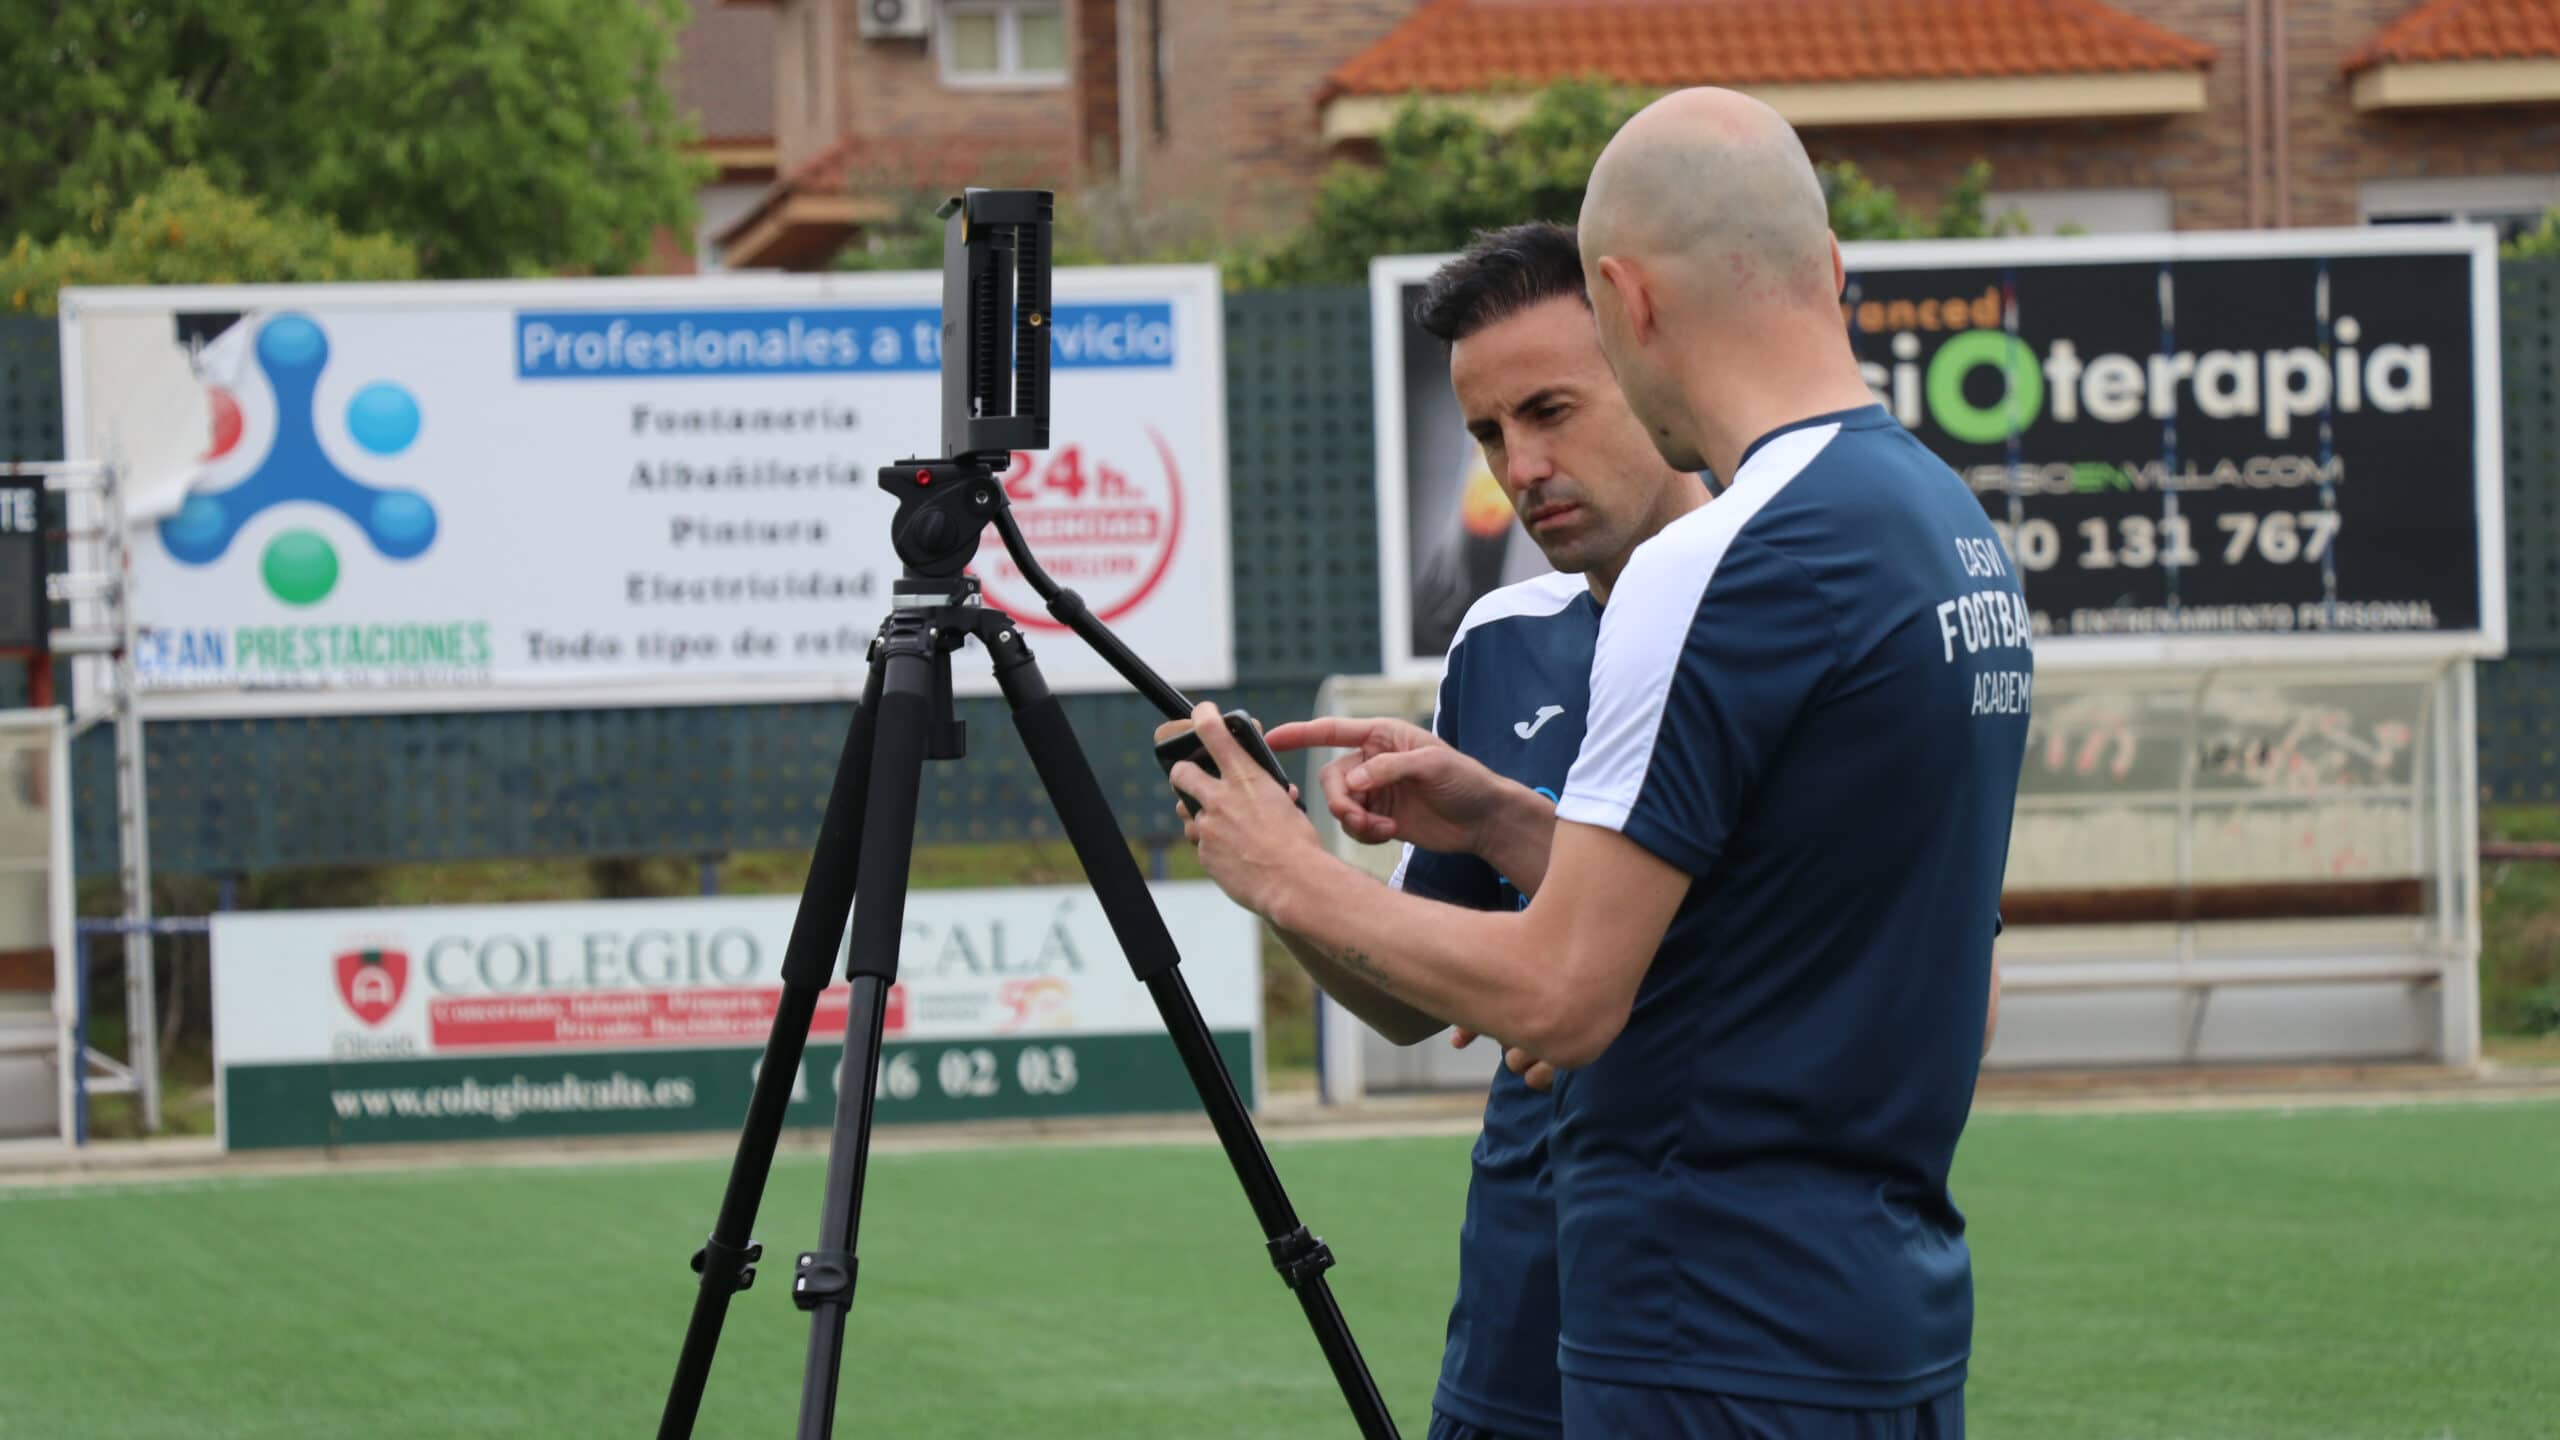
x,y
1469,968
1518,837
1382,1012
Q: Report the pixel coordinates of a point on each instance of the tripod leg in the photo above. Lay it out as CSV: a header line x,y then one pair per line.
x,y
822,1284
808,962
1300,1257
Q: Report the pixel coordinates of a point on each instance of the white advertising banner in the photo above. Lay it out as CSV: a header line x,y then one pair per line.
x,y
496,495
347,1025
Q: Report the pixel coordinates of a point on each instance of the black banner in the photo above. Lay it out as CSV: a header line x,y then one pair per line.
x,y
25,620
2204,446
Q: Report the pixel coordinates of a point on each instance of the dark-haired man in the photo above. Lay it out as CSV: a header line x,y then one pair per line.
x,y
1588,487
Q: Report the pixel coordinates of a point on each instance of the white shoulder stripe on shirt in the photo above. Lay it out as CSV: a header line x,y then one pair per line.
x,y
1646,625
1538,595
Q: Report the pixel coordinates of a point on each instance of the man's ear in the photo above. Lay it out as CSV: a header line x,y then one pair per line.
x,y
1839,269
1627,281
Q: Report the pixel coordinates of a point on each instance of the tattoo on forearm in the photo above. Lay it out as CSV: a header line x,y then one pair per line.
x,y
1361,965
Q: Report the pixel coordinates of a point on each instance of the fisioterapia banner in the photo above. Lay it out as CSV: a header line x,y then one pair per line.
x,y
2197,447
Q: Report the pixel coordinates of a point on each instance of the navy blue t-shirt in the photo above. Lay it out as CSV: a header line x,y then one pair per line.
x,y
1811,696
1513,697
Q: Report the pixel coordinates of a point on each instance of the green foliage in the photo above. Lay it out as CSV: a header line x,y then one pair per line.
x,y
1965,213
1441,175
493,137
911,240
185,231
1860,208
2520,927
2538,1012
1863,210
1100,224
2542,242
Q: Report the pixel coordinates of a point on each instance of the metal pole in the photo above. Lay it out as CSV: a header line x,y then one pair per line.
x,y
133,825
70,953
2458,872
2191,1002
80,1050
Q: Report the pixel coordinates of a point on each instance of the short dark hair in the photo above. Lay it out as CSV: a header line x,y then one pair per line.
x,y
1501,273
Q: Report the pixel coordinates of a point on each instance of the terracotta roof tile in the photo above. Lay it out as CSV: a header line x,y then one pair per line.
x,y
1453,46
2466,30
896,163
872,163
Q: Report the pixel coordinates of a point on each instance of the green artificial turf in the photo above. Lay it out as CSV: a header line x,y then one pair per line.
x,y
2382,1274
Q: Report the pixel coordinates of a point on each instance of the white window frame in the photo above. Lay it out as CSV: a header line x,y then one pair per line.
x,y
1008,74
2056,208
717,206
2462,198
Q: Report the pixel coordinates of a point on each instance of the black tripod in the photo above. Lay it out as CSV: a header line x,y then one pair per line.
x,y
860,861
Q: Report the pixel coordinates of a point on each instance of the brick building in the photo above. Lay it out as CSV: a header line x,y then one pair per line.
x,y
1204,110
723,78
2132,115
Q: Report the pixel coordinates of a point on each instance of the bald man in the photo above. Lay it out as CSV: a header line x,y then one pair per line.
x,y
1758,941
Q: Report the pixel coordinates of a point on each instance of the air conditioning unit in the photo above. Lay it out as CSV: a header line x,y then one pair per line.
x,y
894,19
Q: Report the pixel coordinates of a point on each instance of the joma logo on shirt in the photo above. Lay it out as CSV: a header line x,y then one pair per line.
x,y
1528,729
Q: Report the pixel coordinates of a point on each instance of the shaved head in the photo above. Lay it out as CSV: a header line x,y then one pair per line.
x,y
1717,182
1704,226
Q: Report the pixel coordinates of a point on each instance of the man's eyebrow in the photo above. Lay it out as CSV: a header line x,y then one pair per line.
x,y
1485,426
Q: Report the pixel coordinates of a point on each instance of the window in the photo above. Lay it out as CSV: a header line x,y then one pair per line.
x,y
2084,212
2510,202
1004,42
717,207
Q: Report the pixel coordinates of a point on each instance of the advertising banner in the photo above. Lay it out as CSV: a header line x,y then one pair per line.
x,y
23,615
349,1027
2195,445
477,496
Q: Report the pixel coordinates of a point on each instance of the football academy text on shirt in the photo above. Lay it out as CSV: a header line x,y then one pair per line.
x,y
1994,618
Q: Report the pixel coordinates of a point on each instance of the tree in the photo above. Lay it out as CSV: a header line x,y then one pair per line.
x,y
1097,223
1864,210
2542,242
1441,175
494,137
1096,220
185,231
911,239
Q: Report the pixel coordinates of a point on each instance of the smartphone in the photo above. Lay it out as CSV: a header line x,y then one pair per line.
x,y
1185,745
